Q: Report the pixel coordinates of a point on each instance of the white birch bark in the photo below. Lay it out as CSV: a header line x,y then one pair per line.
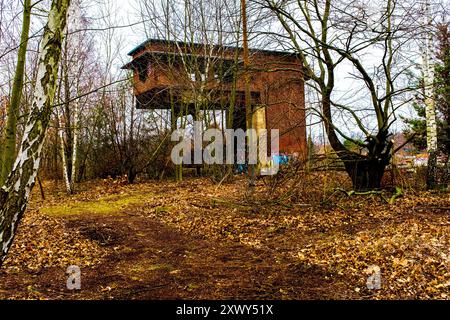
x,y
76,23
430,106
62,149
15,193
428,78
73,68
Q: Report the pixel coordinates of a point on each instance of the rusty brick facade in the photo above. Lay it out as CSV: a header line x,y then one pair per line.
x,y
166,76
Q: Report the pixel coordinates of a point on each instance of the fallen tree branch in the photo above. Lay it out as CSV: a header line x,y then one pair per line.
x,y
398,193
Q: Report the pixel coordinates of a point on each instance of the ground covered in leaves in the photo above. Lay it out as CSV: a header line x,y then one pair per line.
x,y
198,240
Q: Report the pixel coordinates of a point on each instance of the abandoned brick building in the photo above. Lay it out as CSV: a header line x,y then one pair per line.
x,y
185,78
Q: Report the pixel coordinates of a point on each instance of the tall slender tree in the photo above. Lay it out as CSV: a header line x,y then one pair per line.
x,y
69,118
248,96
430,105
15,193
9,147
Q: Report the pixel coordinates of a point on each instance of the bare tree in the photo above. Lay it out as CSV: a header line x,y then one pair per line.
x,y
328,35
16,191
197,35
8,151
430,105
68,116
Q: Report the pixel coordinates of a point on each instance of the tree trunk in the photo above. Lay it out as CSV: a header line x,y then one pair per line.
x,y
430,104
16,191
367,171
248,99
71,68
76,8
131,174
9,149
366,174
432,170
66,177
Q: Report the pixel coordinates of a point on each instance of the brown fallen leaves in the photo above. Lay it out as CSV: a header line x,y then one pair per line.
x,y
409,241
44,242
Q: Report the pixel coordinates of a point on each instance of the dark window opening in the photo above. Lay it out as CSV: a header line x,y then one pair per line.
x,y
142,70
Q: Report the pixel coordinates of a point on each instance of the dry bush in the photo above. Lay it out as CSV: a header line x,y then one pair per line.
x,y
303,182
406,179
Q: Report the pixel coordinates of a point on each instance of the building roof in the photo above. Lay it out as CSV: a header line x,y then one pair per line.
x,y
143,45
146,55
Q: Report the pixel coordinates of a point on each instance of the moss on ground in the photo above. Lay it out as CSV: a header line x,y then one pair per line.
x,y
105,205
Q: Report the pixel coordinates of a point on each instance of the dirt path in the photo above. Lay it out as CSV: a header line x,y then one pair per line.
x,y
154,241
149,260
152,261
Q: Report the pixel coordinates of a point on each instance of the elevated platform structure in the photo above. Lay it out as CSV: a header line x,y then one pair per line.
x,y
189,77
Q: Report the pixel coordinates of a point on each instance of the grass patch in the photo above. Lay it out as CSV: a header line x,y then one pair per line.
x,y
104,205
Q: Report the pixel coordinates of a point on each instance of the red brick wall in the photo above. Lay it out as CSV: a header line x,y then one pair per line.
x,y
277,77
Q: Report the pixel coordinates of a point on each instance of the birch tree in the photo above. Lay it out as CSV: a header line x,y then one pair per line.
x,y
76,110
69,117
430,106
15,193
